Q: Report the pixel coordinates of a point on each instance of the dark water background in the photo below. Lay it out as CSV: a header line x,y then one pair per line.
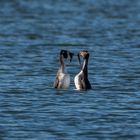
x,y
32,32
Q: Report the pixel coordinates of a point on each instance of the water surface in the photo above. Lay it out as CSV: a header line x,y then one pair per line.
x,y
31,35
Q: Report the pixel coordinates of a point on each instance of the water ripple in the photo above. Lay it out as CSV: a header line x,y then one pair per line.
x,y
31,35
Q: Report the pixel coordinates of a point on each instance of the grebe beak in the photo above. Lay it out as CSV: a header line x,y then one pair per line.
x,y
71,55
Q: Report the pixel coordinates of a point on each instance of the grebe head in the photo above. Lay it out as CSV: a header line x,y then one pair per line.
x,y
84,54
66,54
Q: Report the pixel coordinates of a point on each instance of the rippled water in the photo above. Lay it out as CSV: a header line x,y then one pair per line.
x,y
31,35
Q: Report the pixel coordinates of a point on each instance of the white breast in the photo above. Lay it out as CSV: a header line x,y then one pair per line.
x,y
77,81
64,80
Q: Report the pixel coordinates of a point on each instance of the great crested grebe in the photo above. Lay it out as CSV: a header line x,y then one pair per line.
x,y
62,79
81,79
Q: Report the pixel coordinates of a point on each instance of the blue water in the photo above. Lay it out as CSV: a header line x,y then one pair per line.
x,y
31,35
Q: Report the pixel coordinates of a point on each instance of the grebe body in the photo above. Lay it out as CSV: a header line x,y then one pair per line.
x,y
81,79
62,80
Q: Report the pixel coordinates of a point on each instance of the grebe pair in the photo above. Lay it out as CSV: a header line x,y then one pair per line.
x,y
81,79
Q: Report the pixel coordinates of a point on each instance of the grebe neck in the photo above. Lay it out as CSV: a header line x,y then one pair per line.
x,y
61,63
85,67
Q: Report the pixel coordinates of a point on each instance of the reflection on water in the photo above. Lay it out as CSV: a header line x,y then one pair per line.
x,y
31,35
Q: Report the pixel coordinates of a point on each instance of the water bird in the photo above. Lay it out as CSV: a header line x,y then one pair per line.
x,y
81,79
62,80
